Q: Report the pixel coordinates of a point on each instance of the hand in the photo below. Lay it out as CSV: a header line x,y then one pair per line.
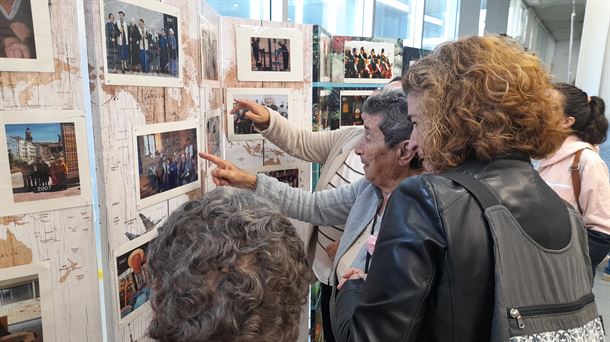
x,y
227,174
13,48
20,30
255,112
331,249
352,273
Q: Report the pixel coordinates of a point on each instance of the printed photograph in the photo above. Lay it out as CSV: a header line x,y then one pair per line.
x,y
133,287
239,127
351,107
288,176
209,48
43,161
320,109
321,52
166,161
368,61
25,39
212,132
20,310
270,54
142,42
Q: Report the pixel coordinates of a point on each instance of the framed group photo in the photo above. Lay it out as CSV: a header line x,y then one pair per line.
x,y
141,43
167,161
132,288
26,303
368,62
350,107
25,36
239,126
44,161
269,54
289,174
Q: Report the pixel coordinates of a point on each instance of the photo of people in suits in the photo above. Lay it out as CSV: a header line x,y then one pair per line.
x,y
140,41
368,61
166,161
270,54
243,125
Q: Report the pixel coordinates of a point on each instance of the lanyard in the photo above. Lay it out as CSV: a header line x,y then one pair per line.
x,y
368,255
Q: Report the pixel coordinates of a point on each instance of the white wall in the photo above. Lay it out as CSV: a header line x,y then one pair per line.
x,y
559,68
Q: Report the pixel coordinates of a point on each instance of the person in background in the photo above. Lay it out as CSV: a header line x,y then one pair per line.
x,y
143,41
163,52
481,109
227,267
134,49
172,43
587,187
123,41
112,48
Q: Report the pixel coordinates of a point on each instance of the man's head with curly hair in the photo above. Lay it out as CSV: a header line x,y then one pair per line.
x,y
227,267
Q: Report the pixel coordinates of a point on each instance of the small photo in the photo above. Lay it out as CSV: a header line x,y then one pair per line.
x,y
25,304
269,54
212,132
288,174
321,52
25,36
209,47
167,161
133,288
350,107
45,159
368,62
242,128
142,44
324,109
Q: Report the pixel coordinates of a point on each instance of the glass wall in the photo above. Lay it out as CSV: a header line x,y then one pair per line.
x,y
252,9
344,18
393,19
440,21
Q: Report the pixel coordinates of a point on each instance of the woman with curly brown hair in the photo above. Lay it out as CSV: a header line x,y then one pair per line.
x,y
576,171
447,265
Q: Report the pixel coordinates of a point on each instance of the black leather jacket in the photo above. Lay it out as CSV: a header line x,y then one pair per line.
x,y
432,274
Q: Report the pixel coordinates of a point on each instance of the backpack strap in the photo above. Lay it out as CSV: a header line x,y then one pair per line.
x,y
478,189
575,174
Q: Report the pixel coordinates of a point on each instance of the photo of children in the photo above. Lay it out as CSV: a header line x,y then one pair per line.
x,y
270,54
43,161
133,287
351,107
367,62
166,161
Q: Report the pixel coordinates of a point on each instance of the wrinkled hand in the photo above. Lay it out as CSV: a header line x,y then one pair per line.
x,y
227,174
331,249
255,112
13,48
352,273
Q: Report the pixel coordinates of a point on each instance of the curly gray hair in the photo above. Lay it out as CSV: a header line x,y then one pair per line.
x,y
227,267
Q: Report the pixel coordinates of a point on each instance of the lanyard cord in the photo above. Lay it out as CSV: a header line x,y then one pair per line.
x,y
368,255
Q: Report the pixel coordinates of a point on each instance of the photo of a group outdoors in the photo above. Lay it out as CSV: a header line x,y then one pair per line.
x,y
140,41
43,161
270,54
166,161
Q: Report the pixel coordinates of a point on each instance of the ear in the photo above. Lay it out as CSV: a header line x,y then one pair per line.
x,y
568,121
405,155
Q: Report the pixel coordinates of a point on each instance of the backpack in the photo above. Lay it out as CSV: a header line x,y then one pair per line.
x,y
549,300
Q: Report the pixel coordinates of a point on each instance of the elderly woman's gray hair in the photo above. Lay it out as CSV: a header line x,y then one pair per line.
x,y
391,103
227,267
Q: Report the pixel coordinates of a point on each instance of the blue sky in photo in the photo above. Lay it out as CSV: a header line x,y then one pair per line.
x,y
44,132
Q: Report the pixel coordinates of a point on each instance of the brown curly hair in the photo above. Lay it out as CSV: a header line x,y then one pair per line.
x,y
483,97
227,267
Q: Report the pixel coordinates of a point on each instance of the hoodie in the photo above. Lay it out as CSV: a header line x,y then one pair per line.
x,y
594,181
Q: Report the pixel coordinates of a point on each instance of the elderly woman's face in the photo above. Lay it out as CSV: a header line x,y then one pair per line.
x,y
379,161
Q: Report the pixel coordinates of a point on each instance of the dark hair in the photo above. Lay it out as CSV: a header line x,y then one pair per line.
x,y
110,15
121,12
392,105
142,20
227,267
590,123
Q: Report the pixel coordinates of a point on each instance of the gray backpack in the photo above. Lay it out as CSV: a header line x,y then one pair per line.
x,y
540,294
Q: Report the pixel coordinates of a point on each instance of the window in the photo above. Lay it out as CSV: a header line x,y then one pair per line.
x,y
344,18
252,9
393,19
440,18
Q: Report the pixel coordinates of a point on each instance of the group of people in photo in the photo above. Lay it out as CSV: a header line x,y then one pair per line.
x,y
276,57
360,64
136,47
170,169
36,175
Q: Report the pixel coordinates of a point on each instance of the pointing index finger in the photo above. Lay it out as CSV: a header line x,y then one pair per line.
x,y
214,159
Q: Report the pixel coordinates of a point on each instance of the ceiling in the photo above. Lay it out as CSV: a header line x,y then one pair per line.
x,y
555,16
